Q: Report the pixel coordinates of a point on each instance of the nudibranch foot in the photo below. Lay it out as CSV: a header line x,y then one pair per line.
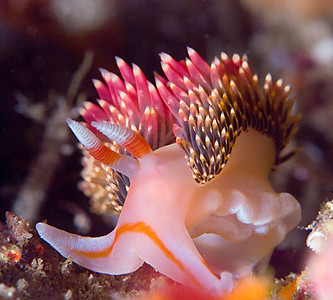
x,y
126,248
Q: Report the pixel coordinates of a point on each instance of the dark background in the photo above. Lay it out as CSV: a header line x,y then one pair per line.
x,y
42,44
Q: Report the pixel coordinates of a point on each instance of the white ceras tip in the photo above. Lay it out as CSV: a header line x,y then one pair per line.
x,y
165,57
119,61
190,51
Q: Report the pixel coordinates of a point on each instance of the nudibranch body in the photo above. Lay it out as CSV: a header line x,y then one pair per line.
x,y
202,210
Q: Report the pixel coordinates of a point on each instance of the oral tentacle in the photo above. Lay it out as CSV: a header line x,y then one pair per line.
x,y
100,254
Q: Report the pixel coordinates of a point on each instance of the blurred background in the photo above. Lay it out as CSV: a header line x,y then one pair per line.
x,y
51,49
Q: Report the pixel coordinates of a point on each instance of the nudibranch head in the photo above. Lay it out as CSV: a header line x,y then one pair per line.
x,y
187,164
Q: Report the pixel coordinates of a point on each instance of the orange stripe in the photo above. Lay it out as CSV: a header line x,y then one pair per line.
x,y
208,267
141,227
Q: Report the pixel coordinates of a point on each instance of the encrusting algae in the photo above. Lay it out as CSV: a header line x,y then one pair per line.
x,y
41,273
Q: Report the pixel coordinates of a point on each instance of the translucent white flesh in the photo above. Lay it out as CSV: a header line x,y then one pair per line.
x,y
235,220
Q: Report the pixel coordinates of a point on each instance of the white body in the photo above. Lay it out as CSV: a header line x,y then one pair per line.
x,y
171,222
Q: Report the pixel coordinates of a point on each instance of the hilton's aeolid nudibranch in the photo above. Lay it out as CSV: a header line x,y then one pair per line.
x,y
189,160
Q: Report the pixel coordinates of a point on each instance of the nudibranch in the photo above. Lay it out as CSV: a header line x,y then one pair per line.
x,y
186,162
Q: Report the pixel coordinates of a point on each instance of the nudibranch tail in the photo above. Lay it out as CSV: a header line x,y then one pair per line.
x,y
120,162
